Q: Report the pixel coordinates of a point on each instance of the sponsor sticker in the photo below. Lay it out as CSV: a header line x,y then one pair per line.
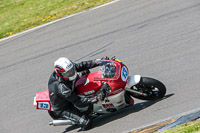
x,y
117,91
108,105
124,73
69,66
118,60
89,92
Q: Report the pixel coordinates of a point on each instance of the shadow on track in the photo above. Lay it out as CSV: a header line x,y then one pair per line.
x,y
101,120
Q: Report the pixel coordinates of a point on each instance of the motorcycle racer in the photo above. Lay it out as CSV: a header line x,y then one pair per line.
x,y
61,91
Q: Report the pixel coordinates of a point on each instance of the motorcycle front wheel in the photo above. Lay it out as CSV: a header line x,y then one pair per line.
x,y
152,88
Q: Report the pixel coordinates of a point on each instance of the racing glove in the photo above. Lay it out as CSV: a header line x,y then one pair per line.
x,y
105,90
99,97
94,99
85,122
105,58
98,62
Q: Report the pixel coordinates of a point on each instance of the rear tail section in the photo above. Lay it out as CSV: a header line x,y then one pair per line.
x,y
42,100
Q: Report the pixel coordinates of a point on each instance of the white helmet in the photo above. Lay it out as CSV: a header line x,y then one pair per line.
x,y
65,68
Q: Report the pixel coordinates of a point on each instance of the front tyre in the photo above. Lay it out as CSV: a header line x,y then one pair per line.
x,y
152,87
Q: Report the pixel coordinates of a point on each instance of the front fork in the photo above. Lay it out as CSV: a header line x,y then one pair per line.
x,y
134,80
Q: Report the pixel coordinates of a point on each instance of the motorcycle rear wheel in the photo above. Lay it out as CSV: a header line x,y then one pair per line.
x,y
152,87
53,115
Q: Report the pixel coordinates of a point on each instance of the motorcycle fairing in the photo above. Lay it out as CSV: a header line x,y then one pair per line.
x,y
133,80
90,84
86,86
114,102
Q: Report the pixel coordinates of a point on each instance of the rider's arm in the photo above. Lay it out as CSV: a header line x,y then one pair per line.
x,y
81,102
84,65
66,93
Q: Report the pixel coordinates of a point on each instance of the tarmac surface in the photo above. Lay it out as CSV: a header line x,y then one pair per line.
x,y
154,38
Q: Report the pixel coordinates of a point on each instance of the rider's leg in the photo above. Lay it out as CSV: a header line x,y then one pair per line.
x,y
73,114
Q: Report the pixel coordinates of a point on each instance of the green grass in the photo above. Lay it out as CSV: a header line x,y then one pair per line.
x,y
19,15
190,127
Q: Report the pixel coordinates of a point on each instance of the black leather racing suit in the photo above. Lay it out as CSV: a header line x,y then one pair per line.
x,y
62,96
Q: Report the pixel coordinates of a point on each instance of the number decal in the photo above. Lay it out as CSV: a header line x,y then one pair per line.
x,y
124,73
108,105
43,105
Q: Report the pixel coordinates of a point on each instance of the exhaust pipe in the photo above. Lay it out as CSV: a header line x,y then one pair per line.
x,y
60,122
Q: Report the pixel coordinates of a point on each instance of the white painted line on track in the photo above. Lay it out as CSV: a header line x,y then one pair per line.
x,y
163,120
41,26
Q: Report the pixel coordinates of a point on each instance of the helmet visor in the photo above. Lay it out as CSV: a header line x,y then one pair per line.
x,y
69,73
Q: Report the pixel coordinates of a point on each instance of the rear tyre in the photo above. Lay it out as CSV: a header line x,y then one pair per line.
x,y
152,87
53,115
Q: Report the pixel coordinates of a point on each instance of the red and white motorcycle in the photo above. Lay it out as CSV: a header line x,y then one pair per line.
x,y
124,88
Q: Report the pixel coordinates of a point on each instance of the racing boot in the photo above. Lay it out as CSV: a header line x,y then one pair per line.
x,y
129,99
85,122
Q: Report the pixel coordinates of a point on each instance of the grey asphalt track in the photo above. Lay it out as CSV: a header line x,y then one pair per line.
x,y
155,38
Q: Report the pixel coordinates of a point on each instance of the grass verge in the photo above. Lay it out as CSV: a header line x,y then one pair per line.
x,y
190,127
20,15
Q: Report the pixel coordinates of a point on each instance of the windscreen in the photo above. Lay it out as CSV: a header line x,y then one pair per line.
x,y
107,69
